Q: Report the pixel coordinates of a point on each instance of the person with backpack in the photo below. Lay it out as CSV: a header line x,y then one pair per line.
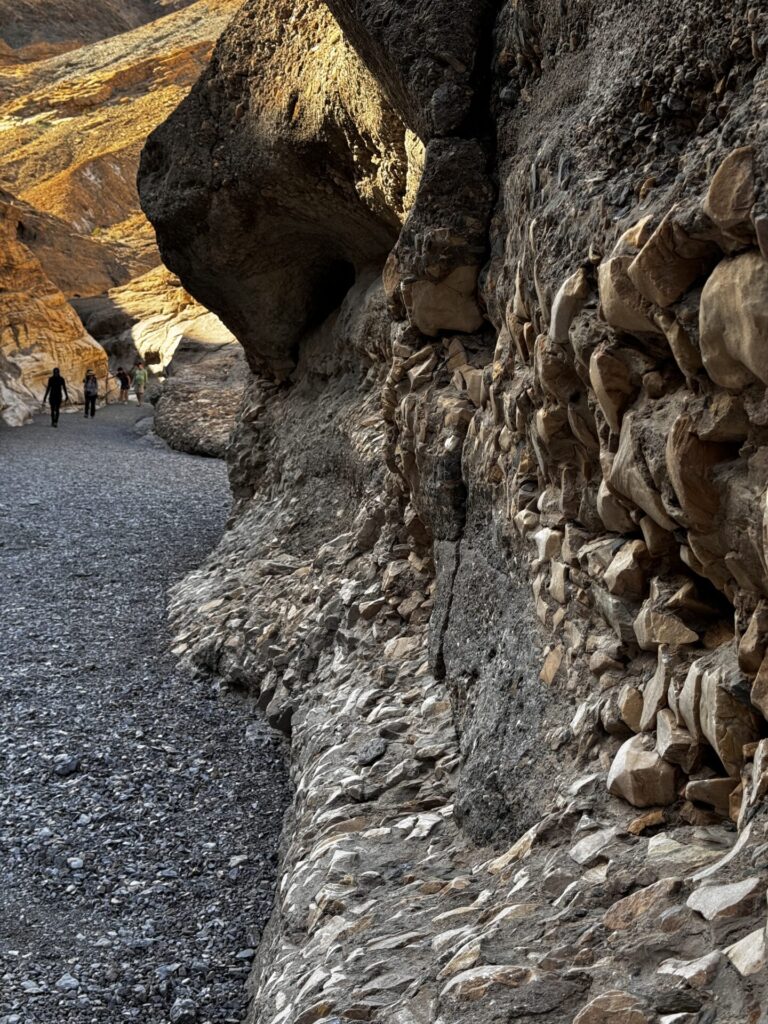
x,y
53,392
91,392
125,383
140,377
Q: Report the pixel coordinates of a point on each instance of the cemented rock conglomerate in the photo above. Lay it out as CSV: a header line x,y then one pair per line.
x,y
498,557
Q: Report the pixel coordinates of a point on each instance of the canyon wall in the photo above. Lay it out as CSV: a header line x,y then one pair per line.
x,y
498,558
81,86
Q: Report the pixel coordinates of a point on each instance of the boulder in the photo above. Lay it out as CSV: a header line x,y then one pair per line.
x,y
622,305
640,776
654,626
611,381
631,477
627,575
689,463
655,692
674,743
447,305
734,322
715,793
727,719
734,899
731,195
670,262
569,300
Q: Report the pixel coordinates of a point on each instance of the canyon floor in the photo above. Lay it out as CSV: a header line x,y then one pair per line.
x,y
141,808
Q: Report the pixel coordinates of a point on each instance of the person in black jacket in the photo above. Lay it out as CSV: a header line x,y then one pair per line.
x,y
90,392
53,392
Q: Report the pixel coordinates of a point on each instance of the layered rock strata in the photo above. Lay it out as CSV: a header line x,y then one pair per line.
x,y
498,554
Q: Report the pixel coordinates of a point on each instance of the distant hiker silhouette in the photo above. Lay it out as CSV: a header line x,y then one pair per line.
x,y
53,392
125,383
140,376
90,391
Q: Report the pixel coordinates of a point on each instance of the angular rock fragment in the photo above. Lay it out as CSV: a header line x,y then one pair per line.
x,y
731,195
670,262
734,322
734,899
674,743
614,1007
640,776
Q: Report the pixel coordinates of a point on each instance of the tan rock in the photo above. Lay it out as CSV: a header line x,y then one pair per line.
x,y
611,381
631,706
612,511
447,305
752,646
727,719
670,262
551,666
674,743
713,792
569,300
696,973
735,899
651,899
734,322
649,820
690,699
687,355
689,463
474,983
640,776
627,574
631,478
658,540
759,694
622,305
655,626
38,330
749,955
731,194
614,1007
655,692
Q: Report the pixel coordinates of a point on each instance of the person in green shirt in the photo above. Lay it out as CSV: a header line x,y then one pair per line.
x,y
140,381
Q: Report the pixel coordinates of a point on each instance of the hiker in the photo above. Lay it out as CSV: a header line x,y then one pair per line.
x,y
90,392
53,392
139,381
125,383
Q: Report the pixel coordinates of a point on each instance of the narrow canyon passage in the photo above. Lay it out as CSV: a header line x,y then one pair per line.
x,y
139,809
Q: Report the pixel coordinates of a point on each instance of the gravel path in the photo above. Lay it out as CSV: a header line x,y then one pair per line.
x,y
139,809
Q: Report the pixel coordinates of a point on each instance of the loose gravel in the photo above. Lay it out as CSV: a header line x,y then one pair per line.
x,y
140,809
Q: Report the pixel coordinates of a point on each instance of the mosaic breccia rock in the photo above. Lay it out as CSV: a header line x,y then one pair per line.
x,y
498,556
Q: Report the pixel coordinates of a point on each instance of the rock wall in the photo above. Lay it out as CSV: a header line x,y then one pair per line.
x,y
498,556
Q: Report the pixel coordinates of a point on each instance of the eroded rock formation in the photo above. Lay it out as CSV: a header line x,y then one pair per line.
x,y
498,558
72,128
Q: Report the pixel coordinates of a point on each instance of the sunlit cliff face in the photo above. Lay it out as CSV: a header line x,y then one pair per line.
x,y
72,125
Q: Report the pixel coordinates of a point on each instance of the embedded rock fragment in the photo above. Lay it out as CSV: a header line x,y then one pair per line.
x,y
640,776
734,322
731,195
670,262
674,743
623,307
727,719
734,899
